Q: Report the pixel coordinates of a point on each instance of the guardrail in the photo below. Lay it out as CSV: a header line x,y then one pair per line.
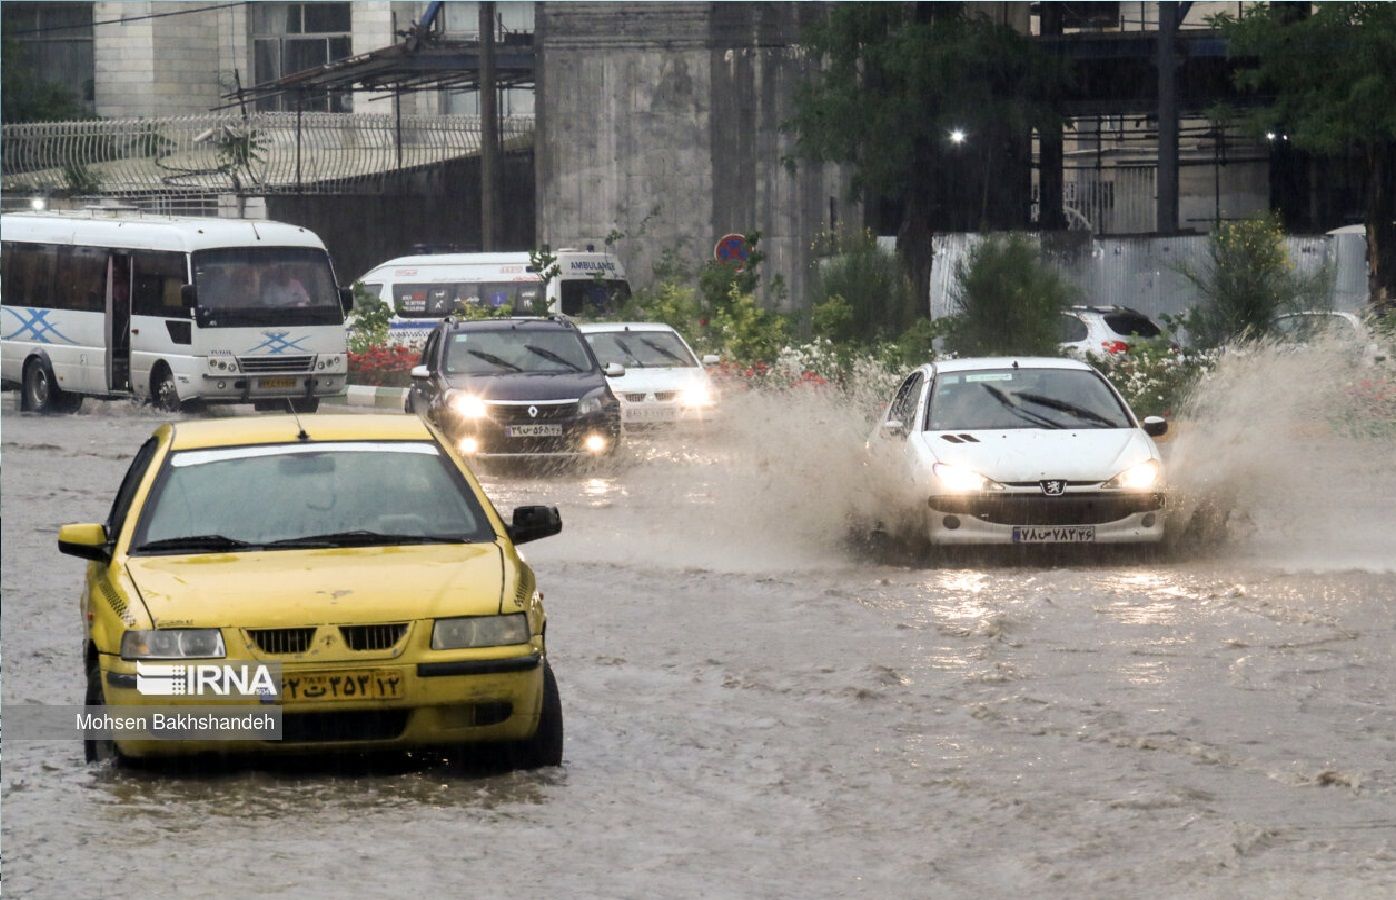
x,y
264,153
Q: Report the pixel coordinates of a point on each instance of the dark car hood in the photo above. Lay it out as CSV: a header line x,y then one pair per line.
x,y
560,386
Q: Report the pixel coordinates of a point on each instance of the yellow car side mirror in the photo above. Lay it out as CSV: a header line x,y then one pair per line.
x,y
87,541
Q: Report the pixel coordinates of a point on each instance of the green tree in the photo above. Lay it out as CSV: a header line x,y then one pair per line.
x,y
1331,77
25,97
894,80
861,294
1249,280
1007,301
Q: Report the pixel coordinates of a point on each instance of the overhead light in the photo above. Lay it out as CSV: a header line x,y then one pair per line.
x,y
37,203
957,136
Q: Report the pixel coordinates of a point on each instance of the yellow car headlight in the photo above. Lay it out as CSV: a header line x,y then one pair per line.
x,y
469,406
1136,478
173,643
479,631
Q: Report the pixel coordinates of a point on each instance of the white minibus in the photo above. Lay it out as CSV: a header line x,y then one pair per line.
x,y
422,290
177,311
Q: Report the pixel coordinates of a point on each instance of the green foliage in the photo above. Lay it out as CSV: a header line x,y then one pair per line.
x,y
369,327
744,331
895,81
238,150
1007,301
1249,280
1328,74
26,97
545,263
1155,377
79,179
861,294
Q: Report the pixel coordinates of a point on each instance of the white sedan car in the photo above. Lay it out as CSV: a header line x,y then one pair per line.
x,y
664,382
1026,451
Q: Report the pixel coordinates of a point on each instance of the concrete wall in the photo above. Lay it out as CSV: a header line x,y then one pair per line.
x,y
662,121
436,205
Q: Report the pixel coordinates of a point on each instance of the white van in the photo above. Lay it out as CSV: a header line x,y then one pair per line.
x,y
422,290
172,310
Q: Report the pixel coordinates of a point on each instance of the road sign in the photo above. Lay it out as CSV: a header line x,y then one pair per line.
x,y
732,248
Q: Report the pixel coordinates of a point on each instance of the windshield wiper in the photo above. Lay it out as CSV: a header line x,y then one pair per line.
x,y
1072,408
197,542
1034,418
550,356
494,360
363,538
634,361
663,351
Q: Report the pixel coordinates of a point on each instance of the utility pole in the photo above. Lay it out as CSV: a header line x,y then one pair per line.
x,y
1049,145
489,133
1169,15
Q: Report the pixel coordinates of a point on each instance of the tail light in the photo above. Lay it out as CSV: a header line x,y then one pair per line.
x,y
1113,347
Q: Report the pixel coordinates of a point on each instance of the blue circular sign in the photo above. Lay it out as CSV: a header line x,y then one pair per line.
x,y
732,248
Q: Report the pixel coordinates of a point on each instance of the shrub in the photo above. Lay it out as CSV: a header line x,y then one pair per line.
x,y
1155,377
1249,280
369,326
1007,301
383,365
861,294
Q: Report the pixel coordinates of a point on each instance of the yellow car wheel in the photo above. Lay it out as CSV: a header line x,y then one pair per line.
x,y
97,750
545,747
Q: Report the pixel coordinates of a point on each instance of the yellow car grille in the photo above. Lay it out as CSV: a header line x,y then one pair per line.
x,y
282,640
373,637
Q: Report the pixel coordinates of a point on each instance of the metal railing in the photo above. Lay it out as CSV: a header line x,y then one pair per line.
x,y
264,153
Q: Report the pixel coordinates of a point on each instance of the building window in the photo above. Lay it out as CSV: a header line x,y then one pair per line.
x,y
293,37
55,41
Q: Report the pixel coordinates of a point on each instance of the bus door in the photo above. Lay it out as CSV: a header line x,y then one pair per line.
x,y
119,322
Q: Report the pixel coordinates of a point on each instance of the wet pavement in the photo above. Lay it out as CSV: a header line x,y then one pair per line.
x,y
754,710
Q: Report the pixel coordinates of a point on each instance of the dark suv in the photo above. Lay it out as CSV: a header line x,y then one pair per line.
x,y
517,387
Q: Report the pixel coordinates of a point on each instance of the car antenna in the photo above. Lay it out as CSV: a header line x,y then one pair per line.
x,y
1015,363
301,434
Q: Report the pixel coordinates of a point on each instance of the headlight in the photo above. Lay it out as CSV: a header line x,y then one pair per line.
x,y
696,395
468,406
173,643
479,631
593,402
961,480
1136,478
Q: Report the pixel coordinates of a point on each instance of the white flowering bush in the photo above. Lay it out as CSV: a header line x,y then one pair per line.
x,y
1155,377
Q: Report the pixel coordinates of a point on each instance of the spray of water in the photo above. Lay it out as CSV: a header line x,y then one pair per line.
x,y
1288,454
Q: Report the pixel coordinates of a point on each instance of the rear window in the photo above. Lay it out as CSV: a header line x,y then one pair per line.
x,y
1131,323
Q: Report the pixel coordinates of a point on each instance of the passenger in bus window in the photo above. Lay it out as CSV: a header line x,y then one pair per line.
x,y
285,289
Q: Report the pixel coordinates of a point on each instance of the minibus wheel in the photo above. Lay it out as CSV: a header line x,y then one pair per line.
x,y
41,393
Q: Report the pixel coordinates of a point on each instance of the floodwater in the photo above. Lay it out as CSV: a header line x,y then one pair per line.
x,y
755,710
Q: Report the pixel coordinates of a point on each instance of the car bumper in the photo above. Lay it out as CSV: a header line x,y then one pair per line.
x,y
443,703
238,388
640,415
1001,519
494,439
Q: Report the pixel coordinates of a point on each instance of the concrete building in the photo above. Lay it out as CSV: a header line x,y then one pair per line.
x,y
144,58
663,122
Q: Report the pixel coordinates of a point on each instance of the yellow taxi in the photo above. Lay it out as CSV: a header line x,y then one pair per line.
x,y
356,557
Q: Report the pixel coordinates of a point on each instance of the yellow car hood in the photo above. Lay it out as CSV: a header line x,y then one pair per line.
x,y
285,588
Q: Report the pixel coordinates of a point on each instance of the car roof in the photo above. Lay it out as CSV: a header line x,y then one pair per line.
x,y
598,327
1102,309
975,363
240,430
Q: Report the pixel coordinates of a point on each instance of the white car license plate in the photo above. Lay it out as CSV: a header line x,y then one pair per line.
x,y
649,414
1053,534
514,431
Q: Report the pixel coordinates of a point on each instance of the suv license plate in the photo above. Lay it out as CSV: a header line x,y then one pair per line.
x,y
1053,534
515,431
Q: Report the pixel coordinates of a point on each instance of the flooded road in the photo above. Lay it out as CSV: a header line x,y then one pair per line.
x,y
754,711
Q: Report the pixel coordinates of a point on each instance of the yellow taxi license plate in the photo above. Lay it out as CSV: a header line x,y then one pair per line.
x,y
276,383
365,684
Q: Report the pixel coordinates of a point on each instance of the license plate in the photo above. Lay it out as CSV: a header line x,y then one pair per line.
x,y
370,684
1053,534
650,414
514,431
276,383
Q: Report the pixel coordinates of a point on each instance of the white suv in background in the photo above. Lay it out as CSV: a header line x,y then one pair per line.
x,y
1103,330
664,382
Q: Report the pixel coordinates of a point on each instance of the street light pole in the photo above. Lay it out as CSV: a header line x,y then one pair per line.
x,y
489,132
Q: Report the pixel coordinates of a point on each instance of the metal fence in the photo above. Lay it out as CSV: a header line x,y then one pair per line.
x,y
264,153
1147,273
1107,200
